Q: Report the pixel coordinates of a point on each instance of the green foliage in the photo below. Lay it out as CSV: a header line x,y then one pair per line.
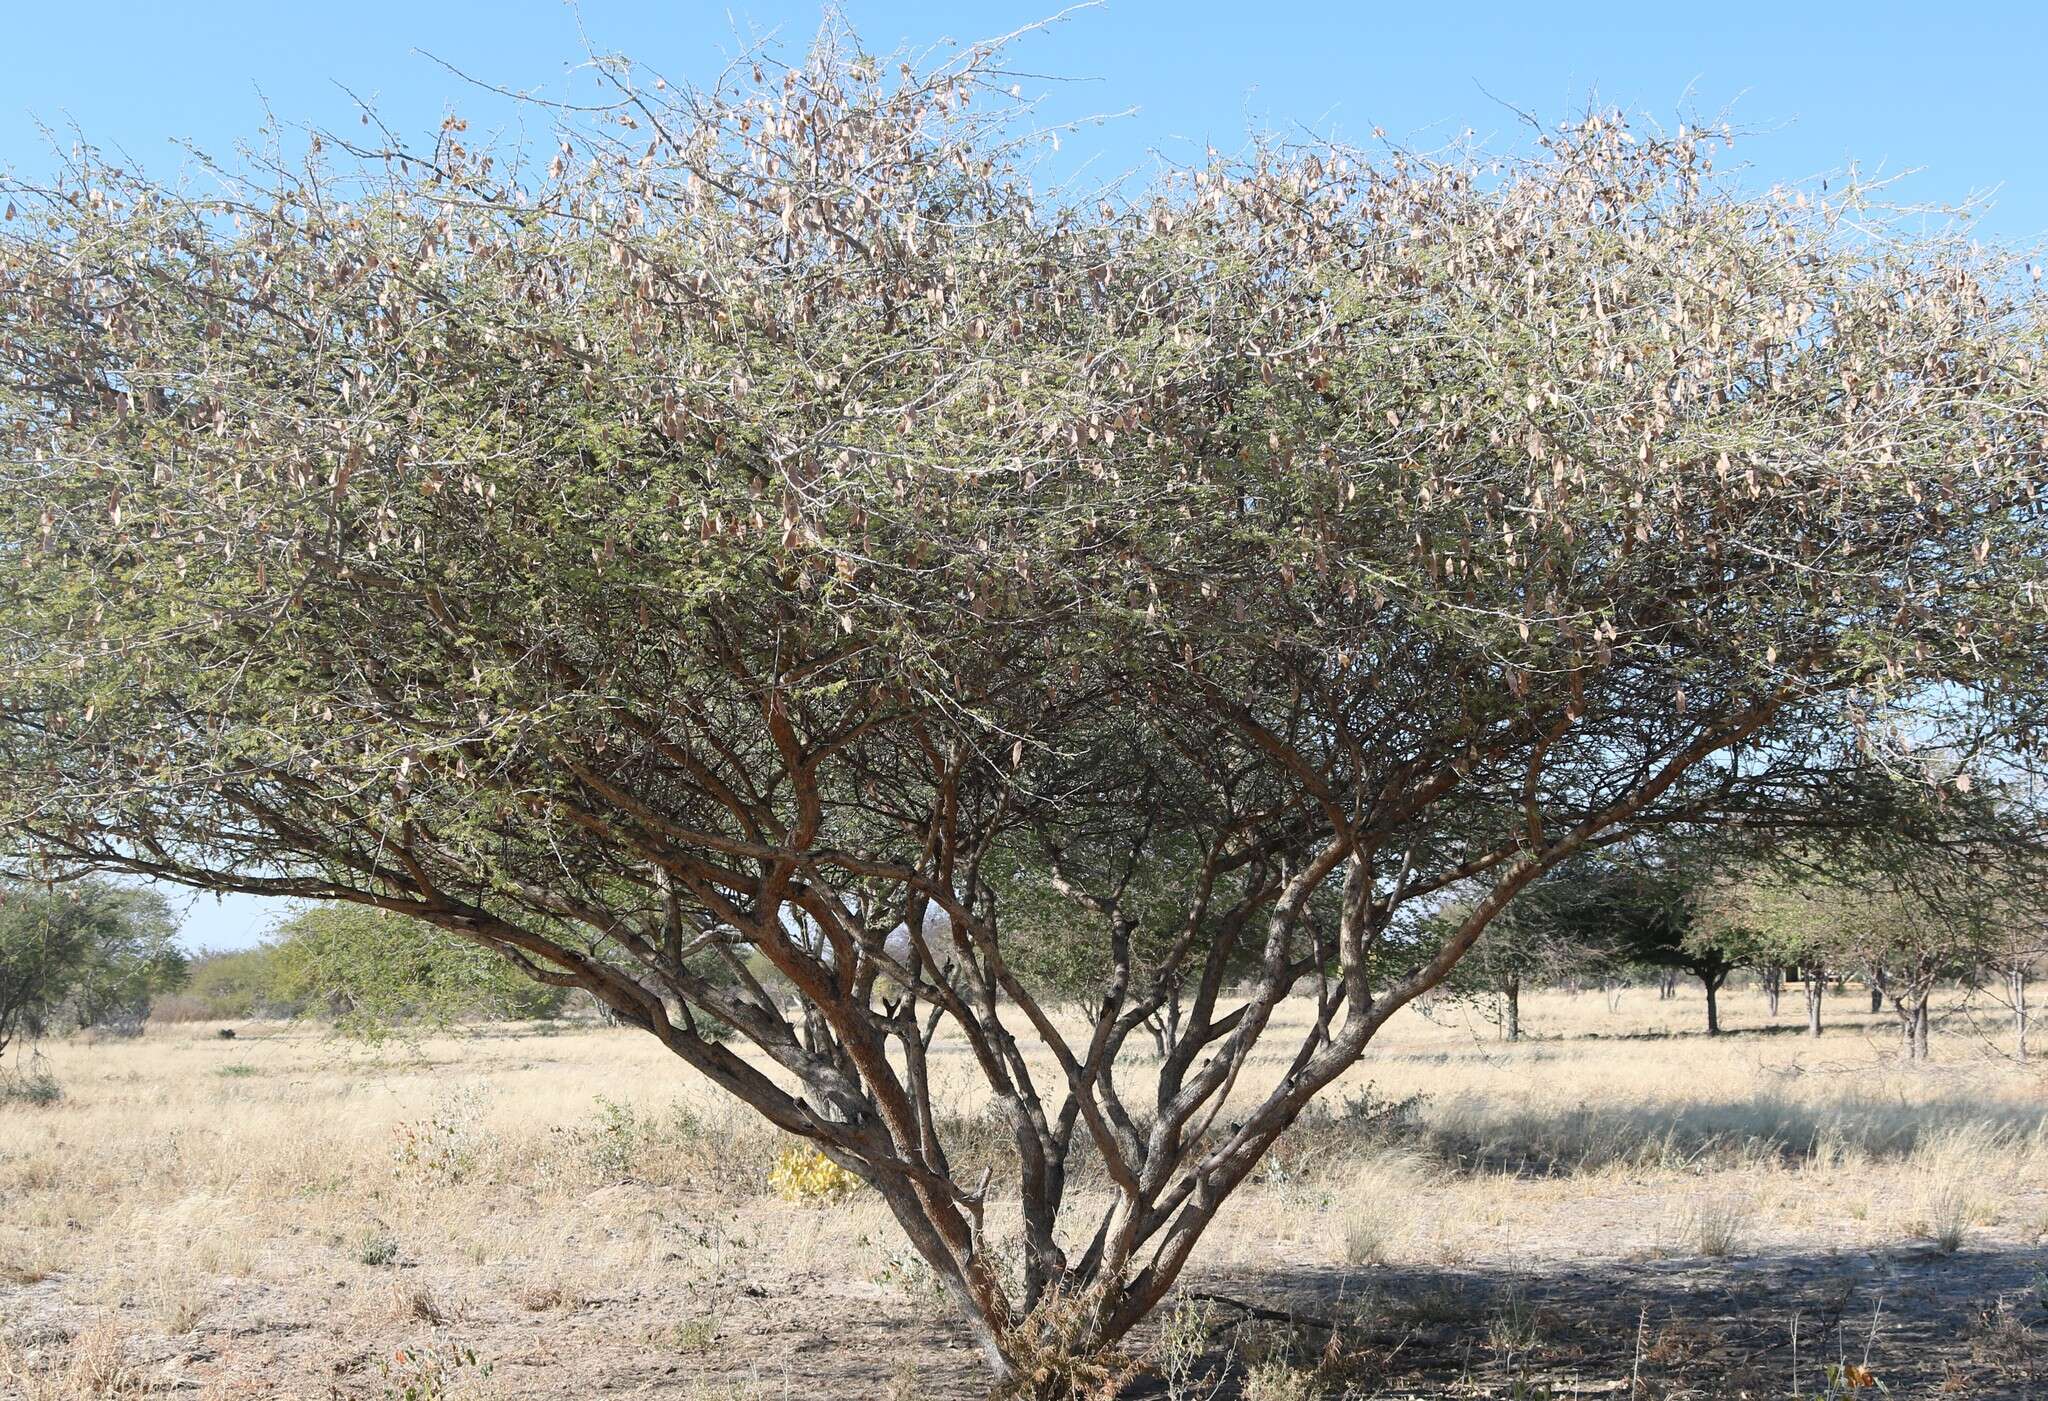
x,y
82,956
373,972
368,971
35,1087
1927,909
1651,915
233,984
613,1139
376,1247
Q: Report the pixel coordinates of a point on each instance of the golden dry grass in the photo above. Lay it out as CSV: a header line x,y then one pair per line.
x,y
289,1205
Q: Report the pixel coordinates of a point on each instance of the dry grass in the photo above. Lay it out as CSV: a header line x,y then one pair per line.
x,y
1718,1227
188,1192
93,1367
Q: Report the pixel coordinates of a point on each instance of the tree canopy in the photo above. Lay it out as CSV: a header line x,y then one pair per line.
x,y
763,516
82,956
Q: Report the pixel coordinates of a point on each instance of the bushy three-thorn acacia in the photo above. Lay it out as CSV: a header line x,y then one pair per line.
x,y
771,523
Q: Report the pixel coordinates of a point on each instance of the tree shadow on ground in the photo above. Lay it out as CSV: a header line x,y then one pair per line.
x,y
1972,1323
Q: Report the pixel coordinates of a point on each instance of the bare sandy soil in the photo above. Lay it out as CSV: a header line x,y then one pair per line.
x,y
1613,1207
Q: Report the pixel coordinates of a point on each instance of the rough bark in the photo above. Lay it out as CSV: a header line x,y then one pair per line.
x,y
2017,980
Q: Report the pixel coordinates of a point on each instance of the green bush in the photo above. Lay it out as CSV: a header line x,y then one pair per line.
x,y
369,971
37,1088
374,971
231,985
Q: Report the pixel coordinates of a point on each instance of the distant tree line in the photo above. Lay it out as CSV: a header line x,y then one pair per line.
x,y
102,956
99,956
82,956
1901,915
364,970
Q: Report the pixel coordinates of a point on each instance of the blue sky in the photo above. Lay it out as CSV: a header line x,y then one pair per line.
x,y
1959,98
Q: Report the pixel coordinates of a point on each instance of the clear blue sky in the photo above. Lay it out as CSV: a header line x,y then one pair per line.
x,y
1960,97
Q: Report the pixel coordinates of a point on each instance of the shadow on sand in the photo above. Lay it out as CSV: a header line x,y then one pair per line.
x,y
1973,1323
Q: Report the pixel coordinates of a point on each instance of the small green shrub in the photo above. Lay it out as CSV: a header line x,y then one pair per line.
x,y
1181,1356
449,1145
36,1088
613,1140
695,1335
428,1374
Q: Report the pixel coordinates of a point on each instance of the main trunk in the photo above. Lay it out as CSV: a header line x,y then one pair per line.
x,y
1913,1025
1815,988
1713,986
1511,1010
2019,1012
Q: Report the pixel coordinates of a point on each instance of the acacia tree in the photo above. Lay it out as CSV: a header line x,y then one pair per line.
x,y
1908,932
1551,932
1932,897
82,956
1772,917
1643,907
2000,901
2018,944
772,522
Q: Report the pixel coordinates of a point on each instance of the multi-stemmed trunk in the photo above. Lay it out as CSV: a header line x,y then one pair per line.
x,y
1910,992
1164,1025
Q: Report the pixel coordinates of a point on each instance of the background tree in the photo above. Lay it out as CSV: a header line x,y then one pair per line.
x,y
1924,899
229,984
772,523
372,970
2018,947
1767,916
1540,939
1919,918
1641,907
2007,889
82,955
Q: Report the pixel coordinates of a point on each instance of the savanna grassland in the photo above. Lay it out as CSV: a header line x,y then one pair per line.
x,y
1613,1205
